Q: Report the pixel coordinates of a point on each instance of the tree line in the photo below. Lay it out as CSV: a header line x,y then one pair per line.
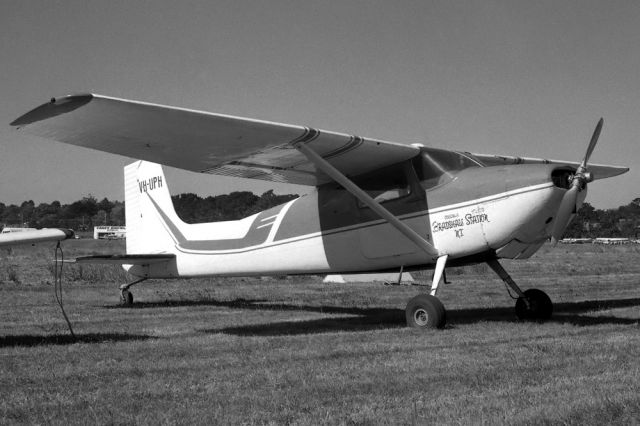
x,y
590,222
84,214
80,215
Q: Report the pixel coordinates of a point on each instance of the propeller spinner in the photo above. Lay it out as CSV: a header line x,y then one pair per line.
x,y
578,184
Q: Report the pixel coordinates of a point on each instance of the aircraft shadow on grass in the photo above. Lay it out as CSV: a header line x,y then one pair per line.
x,y
27,340
364,319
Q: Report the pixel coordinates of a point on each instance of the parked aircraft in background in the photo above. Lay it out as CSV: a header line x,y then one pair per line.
x,y
611,241
372,205
32,236
9,229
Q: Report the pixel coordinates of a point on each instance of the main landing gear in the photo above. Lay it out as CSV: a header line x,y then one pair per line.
x,y
126,297
532,304
425,311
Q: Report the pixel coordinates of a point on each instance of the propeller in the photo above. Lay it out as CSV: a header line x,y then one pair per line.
x,y
578,184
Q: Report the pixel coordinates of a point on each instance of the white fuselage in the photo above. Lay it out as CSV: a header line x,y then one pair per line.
x,y
300,237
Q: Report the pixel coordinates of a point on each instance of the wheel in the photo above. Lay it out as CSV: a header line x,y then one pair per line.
x,y
126,297
540,306
425,311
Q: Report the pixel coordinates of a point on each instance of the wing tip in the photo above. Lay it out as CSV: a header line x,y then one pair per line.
x,y
53,108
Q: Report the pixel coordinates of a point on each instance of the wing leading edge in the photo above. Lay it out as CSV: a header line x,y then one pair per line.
x,y
599,171
206,142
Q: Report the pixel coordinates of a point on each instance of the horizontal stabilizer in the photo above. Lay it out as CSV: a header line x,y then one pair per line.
x,y
127,259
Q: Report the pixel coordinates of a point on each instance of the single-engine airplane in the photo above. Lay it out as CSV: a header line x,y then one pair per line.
x,y
372,205
33,236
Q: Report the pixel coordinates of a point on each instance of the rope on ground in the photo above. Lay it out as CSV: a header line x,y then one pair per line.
x,y
58,285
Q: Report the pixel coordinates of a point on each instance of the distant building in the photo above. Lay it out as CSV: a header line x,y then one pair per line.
x,y
611,241
575,240
109,232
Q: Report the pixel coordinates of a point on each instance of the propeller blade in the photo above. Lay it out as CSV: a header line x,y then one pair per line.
x,y
570,198
567,206
592,144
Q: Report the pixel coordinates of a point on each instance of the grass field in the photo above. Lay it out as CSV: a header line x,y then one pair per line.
x,y
297,351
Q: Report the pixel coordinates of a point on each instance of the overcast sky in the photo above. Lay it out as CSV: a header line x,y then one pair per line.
x,y
528,78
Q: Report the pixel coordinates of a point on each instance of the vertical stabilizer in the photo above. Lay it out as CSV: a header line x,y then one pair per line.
x,y
150,215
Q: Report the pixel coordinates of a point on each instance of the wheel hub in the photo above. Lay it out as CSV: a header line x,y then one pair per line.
x,y
421,317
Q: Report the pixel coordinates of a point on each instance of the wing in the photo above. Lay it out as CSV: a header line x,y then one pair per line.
x,y
34,236
599,171
206,142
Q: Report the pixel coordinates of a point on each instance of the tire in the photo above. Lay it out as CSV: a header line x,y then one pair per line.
x,y
540,308
126,297
425,312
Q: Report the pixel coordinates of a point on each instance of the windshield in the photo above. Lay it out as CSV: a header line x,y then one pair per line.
x,y
437,166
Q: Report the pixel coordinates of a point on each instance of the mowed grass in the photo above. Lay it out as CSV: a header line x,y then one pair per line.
x,y
292,350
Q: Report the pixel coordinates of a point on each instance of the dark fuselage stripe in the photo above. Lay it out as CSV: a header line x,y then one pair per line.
x,y
256,236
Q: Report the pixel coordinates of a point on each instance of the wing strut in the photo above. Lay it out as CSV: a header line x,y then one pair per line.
x,y
336,175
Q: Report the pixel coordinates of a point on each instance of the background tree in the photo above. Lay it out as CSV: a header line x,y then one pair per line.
x,y
117,213
237,205
87,212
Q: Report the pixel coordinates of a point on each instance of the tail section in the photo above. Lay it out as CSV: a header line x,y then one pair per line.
x,y
152,223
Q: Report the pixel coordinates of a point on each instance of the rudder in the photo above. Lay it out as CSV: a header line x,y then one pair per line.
x,y
152,223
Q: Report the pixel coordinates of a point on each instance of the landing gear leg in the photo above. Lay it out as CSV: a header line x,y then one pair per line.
x,y
438,273
425,310
126,297
532,304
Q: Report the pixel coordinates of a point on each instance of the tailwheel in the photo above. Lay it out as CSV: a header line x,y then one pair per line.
x,y
425,311
126,297
536,307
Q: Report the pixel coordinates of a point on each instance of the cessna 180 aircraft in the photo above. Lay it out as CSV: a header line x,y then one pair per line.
x,y
372,205
15,236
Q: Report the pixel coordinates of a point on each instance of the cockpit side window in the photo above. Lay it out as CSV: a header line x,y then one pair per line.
x,y
437,166
386,184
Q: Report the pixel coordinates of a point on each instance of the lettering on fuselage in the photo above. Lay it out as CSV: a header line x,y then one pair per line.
x,y
150,184
471,219
457,223
447,224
